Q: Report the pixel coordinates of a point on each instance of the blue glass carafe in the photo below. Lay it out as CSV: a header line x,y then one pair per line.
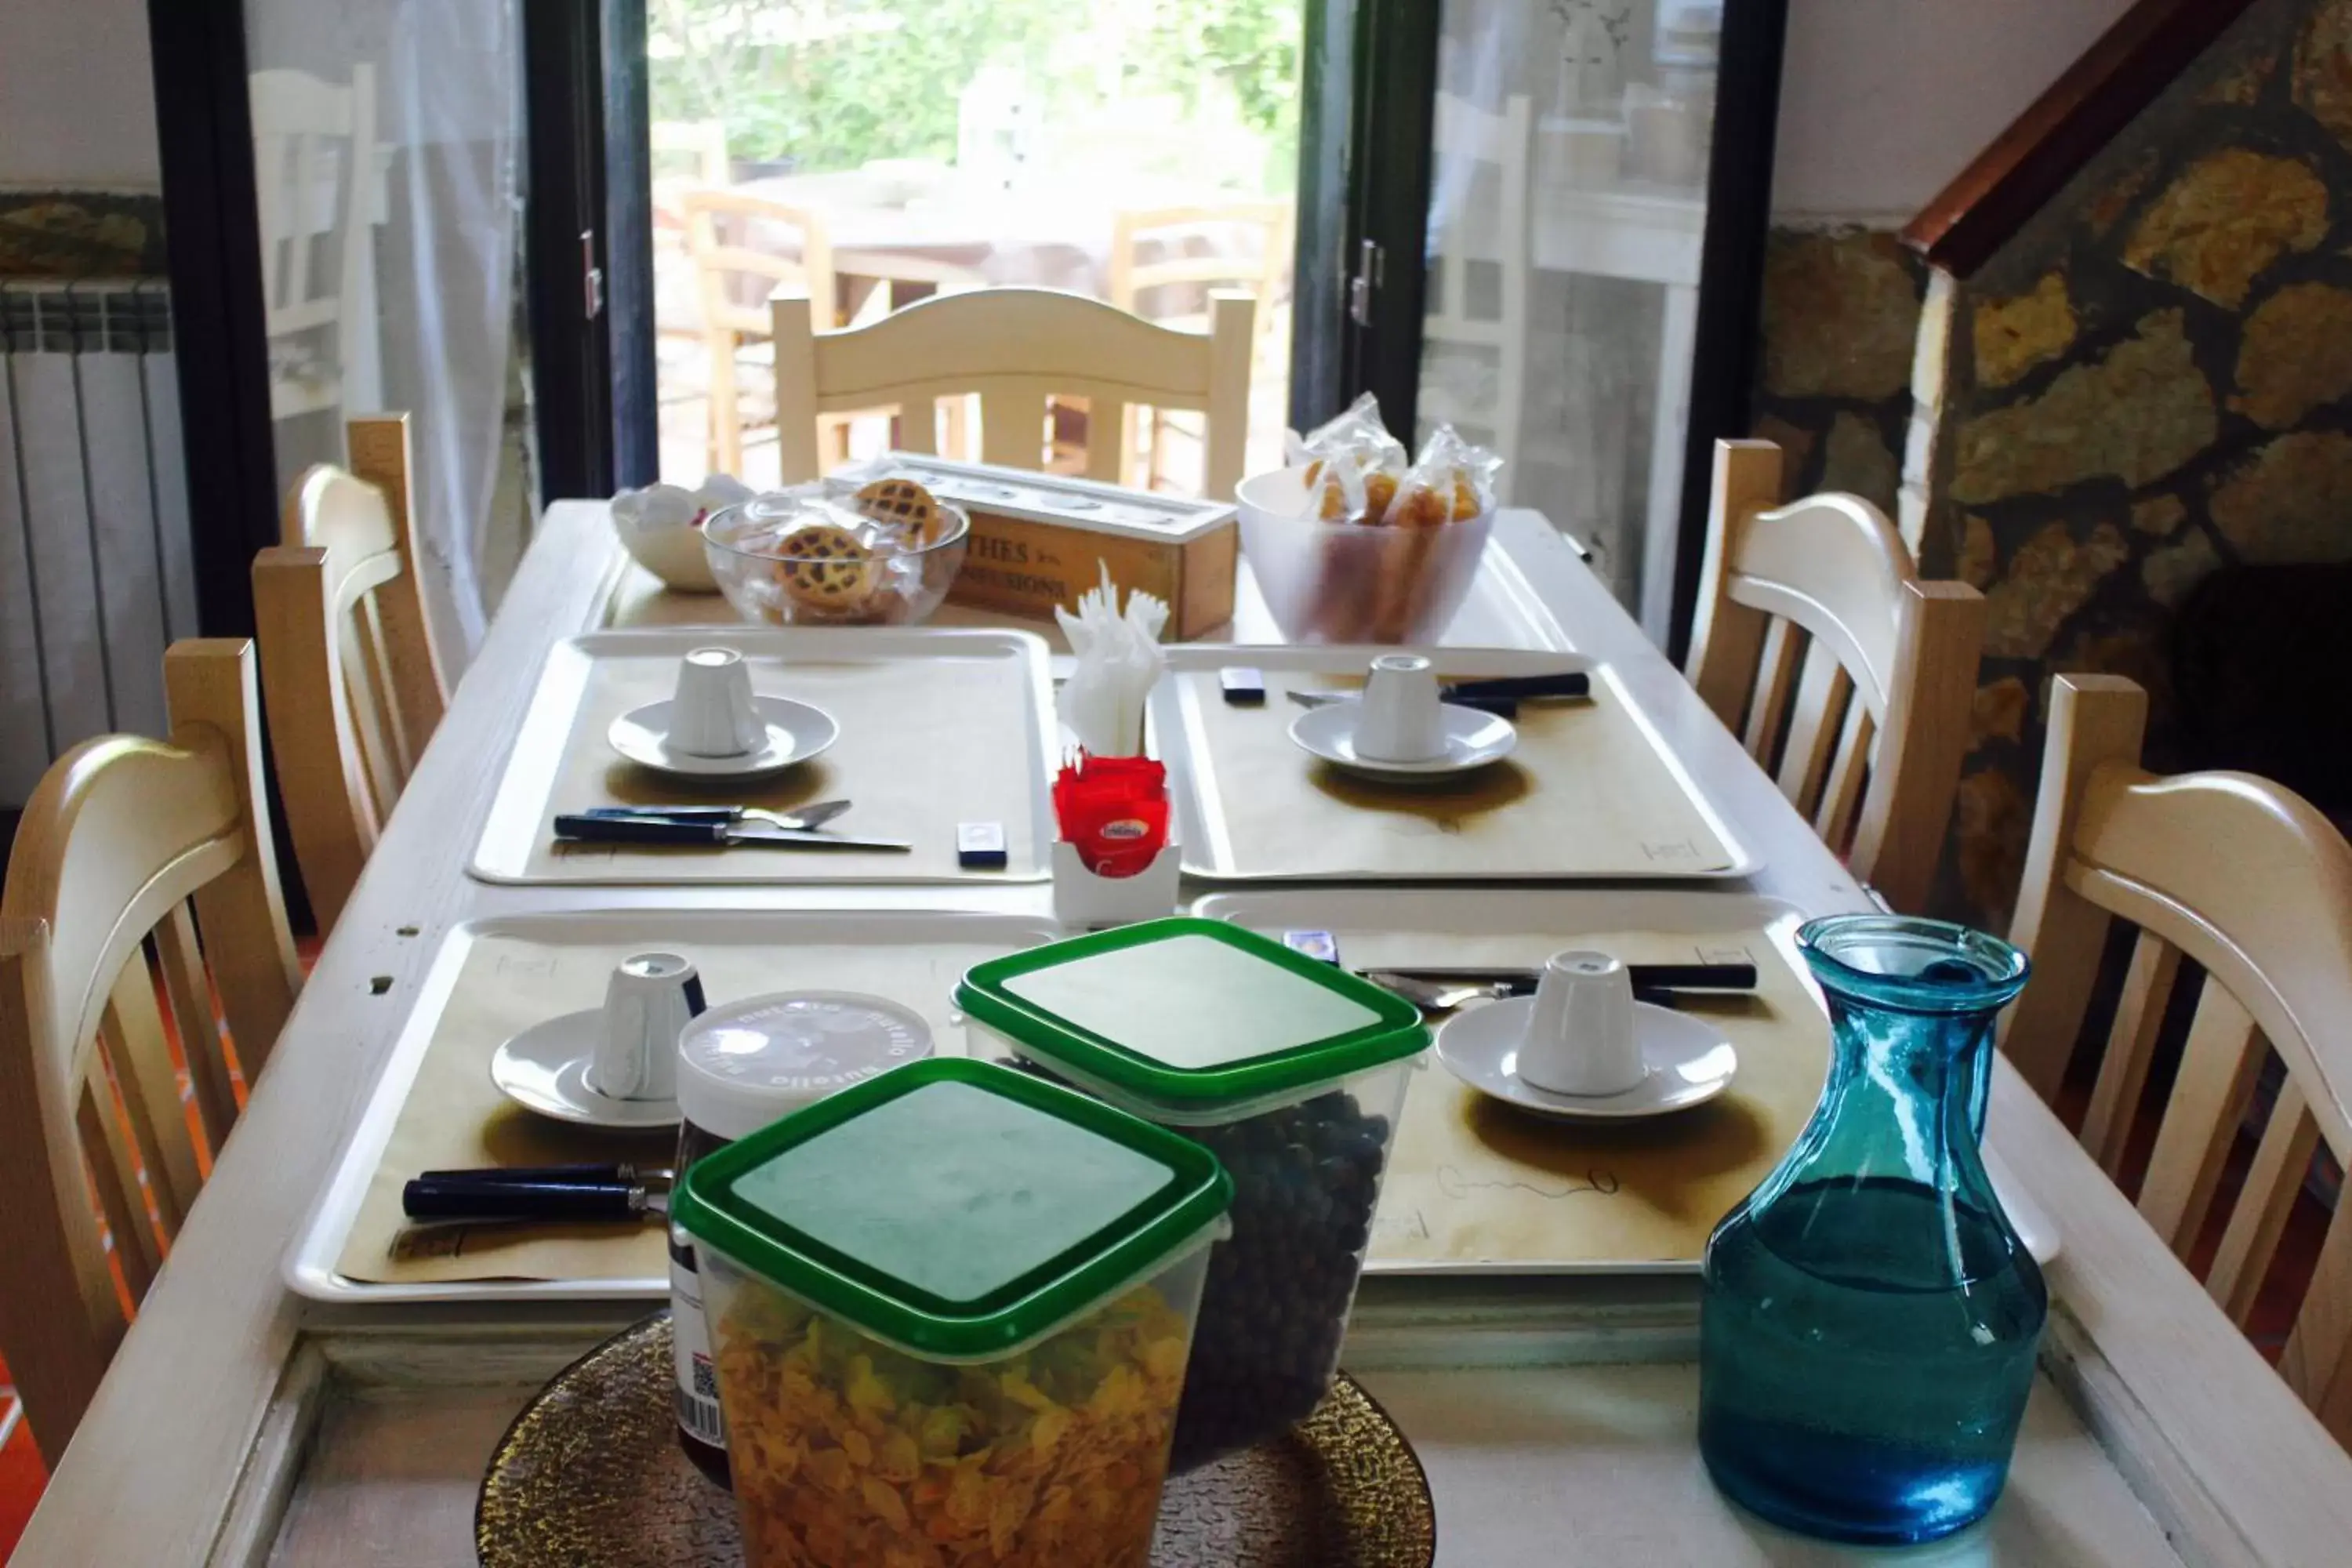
x,y
1869,1317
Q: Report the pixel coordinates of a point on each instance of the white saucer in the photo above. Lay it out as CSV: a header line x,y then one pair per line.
x,y
1473,739
796,732
545,1068
1689,1062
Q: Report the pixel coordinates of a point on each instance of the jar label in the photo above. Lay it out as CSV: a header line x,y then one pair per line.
x,y
698,1377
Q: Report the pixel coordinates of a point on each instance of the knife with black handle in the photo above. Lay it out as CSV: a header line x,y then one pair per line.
x,y
445,1200
581,828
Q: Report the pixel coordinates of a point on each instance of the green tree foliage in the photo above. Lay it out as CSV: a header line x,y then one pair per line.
x,y
832,84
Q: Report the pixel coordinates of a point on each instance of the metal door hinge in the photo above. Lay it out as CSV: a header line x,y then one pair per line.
x,y
591,277
1370,264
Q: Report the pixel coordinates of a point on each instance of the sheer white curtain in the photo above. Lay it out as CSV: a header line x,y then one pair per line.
x,y
423,259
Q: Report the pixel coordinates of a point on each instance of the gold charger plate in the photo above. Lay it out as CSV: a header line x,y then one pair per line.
x,y
591,1475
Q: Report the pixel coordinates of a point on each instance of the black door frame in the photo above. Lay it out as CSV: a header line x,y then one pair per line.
x,y
204,121
567,238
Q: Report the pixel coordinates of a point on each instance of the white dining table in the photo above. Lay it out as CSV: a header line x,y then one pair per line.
x,y
241,1424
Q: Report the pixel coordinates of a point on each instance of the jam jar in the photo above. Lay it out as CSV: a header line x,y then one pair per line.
x,y
740,1067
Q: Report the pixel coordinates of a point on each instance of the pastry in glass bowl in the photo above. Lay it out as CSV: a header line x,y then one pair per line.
x,y
883,555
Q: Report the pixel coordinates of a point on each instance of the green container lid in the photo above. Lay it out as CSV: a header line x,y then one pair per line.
x,y
954,1208
1185,1015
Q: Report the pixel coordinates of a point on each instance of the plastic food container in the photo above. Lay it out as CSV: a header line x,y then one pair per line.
x,y
1349,583
950,1307
741,1067
1291,1070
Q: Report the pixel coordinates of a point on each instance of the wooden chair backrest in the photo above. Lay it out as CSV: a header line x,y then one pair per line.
x,y
129,850
314,177
699,145
348,663
1015,348
728,234
1464,131
2252,884
1816,642
1135,228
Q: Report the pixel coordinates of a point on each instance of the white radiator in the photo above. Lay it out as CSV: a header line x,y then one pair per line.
x,y
97,574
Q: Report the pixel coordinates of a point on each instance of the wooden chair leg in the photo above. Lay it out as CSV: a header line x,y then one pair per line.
x,y
726,427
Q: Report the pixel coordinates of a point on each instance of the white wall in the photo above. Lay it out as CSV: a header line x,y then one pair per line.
x,y
77,100
1884,101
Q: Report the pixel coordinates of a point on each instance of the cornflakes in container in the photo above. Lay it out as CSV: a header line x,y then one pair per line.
x,y
951,1309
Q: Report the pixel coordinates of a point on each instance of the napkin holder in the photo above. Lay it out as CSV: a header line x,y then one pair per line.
x,y
1085,901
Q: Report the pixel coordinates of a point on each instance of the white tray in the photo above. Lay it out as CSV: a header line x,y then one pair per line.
x,y
1177,738
1503,911
518,811
311,1263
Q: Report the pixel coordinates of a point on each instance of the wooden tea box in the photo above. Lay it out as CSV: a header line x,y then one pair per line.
x,y
1037,540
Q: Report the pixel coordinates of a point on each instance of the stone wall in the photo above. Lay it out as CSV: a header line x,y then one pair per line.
x,y
73,234
2148,382
1841,320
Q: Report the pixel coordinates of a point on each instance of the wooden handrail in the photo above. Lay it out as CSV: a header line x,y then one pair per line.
x,y
2085,109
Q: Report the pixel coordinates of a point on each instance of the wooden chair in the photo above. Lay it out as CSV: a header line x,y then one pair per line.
x,y
1015,348
1176,234
731,237
687,155
129,850
316,178
1816,642
347,665
1464,132
2249,882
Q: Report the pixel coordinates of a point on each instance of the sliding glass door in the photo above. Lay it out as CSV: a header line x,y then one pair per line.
x,y
1576,288
1141,151
387,185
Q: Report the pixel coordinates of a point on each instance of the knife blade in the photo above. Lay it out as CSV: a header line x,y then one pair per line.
x,y
1494,694
586,829
623,1174
805,819
1500,707
1645,976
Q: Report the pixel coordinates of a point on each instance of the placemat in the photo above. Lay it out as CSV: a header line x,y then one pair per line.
x,y
639,598
1475,1183
454,1118
925,744
1586,794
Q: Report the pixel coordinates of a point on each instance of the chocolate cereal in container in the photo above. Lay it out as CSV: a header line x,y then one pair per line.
x,y
950,1307
1290,1071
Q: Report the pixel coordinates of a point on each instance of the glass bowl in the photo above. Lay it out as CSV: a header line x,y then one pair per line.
x,y
1347,583
893,588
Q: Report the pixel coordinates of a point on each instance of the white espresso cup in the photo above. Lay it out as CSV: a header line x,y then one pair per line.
x,y
1581,1038
712,714
648,1002
1400,719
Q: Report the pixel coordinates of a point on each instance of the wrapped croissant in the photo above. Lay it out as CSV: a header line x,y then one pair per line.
x,y
1353,465
1451,481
